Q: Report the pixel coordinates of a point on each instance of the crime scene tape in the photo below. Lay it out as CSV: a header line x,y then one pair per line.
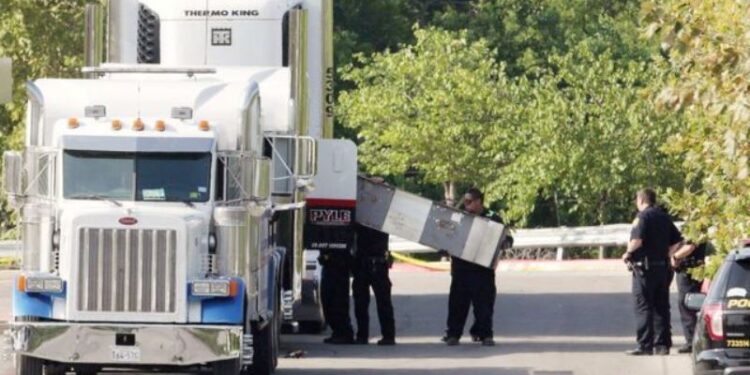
x,y
432,266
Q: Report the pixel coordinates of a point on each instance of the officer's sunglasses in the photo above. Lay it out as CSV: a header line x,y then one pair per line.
x,y
468,201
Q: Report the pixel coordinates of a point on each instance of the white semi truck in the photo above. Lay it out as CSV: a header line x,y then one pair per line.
x,y
174,202
163,197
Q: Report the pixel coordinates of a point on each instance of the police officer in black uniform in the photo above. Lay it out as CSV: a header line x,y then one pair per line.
x,y
371,264
686,259
334,294
472,284
652,240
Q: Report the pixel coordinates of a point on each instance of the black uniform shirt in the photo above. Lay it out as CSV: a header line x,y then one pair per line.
x,y
371,242
657,231
695,259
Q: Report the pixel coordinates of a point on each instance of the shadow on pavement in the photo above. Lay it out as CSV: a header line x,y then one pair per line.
x,y
523,315
463,351
431,371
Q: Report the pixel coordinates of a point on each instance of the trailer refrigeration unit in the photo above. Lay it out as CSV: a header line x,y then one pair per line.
x,y
163,196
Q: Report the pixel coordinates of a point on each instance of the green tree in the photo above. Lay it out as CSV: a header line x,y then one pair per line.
x,y
428,108
706,44
45,39
526,33
590,139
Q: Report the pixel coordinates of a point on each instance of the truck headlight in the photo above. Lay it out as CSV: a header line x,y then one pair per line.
x,y
41,284
214,288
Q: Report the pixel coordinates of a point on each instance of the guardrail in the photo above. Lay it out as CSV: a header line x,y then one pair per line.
x,y
548,238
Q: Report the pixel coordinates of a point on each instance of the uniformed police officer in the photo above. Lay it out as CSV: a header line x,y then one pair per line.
x,y
472,285
334,294
371,263
652,239
687,258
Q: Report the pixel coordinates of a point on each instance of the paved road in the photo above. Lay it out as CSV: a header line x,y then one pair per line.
x,y
547,323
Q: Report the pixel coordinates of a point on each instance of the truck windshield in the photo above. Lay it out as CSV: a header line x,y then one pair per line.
x,y
168,177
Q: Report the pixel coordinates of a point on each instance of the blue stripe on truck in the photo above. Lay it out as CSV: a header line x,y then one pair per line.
x,y
31,304
226,310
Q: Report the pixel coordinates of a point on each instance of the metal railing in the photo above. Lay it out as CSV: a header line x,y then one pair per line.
x,y
548,238
544,238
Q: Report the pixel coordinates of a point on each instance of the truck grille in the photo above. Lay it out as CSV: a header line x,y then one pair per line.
x,y
126,270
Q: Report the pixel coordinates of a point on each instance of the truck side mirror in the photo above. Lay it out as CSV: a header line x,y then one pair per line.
x,y
694,301
13,174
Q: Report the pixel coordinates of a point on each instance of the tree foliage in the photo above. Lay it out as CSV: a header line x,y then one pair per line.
x,y
525,34
430,107
590,138
706,43
45,39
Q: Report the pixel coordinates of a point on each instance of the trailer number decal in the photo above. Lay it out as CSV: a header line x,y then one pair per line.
x,y
221,37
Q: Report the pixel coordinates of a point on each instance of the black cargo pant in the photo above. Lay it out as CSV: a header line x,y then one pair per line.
x,y
685,285
651,295
334,294
372,272
475,287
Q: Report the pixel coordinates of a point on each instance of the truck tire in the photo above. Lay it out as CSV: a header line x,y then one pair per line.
x,y
228,367
263,349
26,365
55,369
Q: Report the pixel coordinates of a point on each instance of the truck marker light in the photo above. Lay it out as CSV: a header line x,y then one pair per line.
x,y
233,288
160,126
73,123
138,125
203,125
21,284
116,124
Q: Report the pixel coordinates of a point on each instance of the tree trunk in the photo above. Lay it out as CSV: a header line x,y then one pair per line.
x,y
449,193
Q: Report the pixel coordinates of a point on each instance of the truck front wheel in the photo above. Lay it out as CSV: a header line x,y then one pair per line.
x,y
26,365
263,349
228,367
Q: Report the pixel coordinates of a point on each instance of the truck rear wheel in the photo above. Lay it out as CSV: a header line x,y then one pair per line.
x,y
228,367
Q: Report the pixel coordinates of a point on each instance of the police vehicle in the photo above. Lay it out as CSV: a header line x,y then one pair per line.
x,y
721,345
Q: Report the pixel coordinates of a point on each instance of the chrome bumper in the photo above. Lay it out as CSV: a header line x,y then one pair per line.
x,y
174,345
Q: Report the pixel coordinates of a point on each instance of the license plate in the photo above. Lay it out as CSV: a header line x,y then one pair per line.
x,y
126,354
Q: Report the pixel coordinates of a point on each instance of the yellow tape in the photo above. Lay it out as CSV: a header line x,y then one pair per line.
x,y
433,266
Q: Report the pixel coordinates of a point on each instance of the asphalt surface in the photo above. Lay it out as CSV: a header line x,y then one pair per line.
x,y
546,323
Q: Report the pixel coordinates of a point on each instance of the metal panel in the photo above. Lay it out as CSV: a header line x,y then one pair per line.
x,y
125,270
373,202
446,229
407,215
472,238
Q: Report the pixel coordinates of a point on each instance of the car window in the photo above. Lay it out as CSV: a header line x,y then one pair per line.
x,y
719,286
738,280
